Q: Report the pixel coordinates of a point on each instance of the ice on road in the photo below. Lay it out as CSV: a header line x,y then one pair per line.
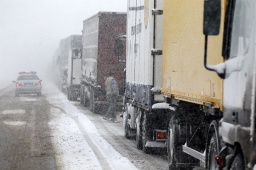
x,y
77,142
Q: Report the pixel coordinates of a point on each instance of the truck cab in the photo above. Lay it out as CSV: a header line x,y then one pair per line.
x,y
237,127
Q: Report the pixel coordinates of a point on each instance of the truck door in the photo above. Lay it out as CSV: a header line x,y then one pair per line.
x,y
240,65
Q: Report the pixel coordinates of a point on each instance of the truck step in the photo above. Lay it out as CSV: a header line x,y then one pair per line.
x,y
154,144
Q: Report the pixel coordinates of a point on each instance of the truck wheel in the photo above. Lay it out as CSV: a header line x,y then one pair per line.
x,y
238,162
82,98
174,144
127,130
92,106
17,94
212,152
85,100
138,136
68,95
145,134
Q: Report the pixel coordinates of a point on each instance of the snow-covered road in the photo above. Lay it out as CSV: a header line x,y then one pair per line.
x,y
51,132
77,142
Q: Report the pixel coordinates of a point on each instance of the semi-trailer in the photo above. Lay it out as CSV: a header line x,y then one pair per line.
x,y
147,124
99,34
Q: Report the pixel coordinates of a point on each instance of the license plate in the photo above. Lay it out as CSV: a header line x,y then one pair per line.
x,y
28,84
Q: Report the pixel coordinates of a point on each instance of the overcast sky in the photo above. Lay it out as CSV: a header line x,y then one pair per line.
x,y
30,30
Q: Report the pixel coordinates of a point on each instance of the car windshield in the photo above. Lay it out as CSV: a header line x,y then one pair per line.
x,y
28,77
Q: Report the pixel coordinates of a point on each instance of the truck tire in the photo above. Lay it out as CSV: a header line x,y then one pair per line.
x,y
138,135
92,104
39,94
86,102
68,94
238,162
81,97
17,94
212,152
174,144
127,129
145,130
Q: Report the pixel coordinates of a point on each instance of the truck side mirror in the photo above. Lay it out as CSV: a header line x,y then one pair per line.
x,y
212,14
211,26
118,47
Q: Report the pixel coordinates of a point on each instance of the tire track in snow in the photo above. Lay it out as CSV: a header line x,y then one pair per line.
x,y
105,153
112,156
102,160
127,147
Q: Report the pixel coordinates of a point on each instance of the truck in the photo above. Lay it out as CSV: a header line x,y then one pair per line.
x,y
193,94
74,67
99,34
147,124
213,116
70,65
61,59
237,127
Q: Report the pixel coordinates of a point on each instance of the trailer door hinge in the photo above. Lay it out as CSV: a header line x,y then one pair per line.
x,y
157,12
156,52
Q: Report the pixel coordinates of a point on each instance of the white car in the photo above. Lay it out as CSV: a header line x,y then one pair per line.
x,y
28,83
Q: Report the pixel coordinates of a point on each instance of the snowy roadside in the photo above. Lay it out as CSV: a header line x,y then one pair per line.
x,y
77,142
5,83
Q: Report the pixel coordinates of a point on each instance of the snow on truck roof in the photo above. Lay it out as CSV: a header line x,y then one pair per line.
x,y
104,12
27,72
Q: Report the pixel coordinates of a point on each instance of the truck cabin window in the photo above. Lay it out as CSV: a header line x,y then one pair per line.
x,y
241,28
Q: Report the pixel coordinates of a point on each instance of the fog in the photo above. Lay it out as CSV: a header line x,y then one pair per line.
x,y
31,30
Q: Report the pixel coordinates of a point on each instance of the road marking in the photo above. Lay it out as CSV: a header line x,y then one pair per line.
x,y
102,159
15,123
28,99
35,147
21,111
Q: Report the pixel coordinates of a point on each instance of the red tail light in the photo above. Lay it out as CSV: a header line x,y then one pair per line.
x,y
161,135
38,84
220,161
101,97
18,84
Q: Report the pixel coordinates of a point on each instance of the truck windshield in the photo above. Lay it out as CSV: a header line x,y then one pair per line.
x,y
241,27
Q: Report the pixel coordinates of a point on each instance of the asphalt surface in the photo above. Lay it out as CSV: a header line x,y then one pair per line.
x,y
25,142
25,136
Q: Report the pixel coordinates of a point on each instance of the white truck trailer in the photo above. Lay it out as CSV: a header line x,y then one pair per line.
x,y
71,51
74,74
143,75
